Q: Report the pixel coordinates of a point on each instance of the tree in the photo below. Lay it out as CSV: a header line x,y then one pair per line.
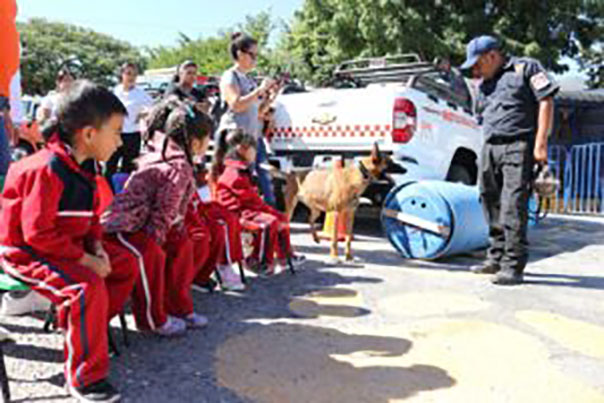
x,y
326,32
48,46
211,53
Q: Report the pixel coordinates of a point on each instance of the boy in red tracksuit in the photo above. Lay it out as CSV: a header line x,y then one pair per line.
x,y
236,192
50,237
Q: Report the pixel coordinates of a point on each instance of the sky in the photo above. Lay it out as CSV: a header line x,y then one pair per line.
x,y
154,22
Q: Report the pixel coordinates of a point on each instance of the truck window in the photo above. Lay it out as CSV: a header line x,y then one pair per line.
x,y
448,86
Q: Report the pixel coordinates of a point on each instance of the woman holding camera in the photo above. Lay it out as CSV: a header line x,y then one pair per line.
x,y
243,98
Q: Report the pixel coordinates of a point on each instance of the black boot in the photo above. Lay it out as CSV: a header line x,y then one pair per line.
x,y
508,277
487,268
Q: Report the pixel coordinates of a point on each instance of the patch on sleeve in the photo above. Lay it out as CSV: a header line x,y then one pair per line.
x,y
540,81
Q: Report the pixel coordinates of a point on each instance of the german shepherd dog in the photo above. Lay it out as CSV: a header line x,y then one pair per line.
x,y
335,190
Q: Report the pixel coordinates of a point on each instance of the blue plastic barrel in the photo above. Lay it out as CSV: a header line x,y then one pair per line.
x,y
452,205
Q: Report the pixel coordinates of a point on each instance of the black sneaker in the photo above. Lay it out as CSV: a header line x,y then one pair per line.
x,y
101,391
507,277
488,268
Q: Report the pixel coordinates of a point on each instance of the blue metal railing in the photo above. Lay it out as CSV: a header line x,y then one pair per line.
x,y
580,170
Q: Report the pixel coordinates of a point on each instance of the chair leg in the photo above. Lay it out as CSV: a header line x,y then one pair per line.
x,y
242,273
112,346
290,265
218,276
50,319
4,387
264,235
124,326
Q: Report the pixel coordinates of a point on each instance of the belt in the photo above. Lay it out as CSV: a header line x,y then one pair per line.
x,y
498,140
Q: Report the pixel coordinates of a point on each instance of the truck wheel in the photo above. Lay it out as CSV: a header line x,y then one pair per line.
x,y
460,173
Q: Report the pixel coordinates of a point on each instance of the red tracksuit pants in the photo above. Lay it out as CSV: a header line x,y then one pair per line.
x,y
217,240
271,235
85,302
166,275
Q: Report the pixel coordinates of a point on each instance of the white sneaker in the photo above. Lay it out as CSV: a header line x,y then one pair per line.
x,y
23,302
195,320
231,281
172,327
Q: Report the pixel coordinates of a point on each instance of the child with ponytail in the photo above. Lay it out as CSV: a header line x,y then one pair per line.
x,y
235,190
148,218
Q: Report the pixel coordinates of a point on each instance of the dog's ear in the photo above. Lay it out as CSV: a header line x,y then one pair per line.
x,y
376,155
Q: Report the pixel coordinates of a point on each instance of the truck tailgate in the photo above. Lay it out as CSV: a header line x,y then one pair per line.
x,y
338,119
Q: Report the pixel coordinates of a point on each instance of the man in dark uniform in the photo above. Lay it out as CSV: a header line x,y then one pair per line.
x,y
515,107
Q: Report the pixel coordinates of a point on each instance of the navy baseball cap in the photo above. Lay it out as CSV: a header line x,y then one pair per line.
x,y
477,47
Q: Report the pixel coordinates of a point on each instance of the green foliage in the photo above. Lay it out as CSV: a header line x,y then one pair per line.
x,y
326,32
211,53
51,45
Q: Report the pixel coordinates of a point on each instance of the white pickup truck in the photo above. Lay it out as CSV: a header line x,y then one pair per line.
x,y
418,114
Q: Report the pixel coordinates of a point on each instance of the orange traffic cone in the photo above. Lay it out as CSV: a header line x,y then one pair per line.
x,y
330,217
343,220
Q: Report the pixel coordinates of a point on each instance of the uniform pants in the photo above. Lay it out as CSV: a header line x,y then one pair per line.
x,y
166,275
216,235
219,217
273,236
505,187
85,303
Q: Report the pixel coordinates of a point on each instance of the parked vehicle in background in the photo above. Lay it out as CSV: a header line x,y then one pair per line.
x,y
417,112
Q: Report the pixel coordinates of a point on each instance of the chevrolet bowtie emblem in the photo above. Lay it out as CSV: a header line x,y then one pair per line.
x,y
325,119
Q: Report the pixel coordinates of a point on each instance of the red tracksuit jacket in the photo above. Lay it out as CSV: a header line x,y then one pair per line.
x,y
236,192
54,222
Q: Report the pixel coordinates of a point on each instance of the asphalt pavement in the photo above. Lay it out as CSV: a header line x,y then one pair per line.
x,y
381,329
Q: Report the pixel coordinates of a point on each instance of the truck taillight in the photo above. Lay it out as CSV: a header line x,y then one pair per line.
x,y
404,120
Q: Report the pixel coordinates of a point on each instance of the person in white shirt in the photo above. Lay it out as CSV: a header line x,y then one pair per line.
x,y
136,101
50,103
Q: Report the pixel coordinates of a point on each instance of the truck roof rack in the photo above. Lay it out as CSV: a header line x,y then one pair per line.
x,y
384,69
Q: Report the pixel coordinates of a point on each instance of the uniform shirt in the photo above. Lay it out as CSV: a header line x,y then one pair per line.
x,y
135,100
507,104
247,120
50,204
235,189
155,197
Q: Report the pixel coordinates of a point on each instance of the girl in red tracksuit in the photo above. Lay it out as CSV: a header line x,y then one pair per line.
x,y
236,192
148,218
51,239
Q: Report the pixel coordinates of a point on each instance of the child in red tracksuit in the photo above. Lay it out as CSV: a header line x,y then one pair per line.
x,y
51,239
148,218
236,192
